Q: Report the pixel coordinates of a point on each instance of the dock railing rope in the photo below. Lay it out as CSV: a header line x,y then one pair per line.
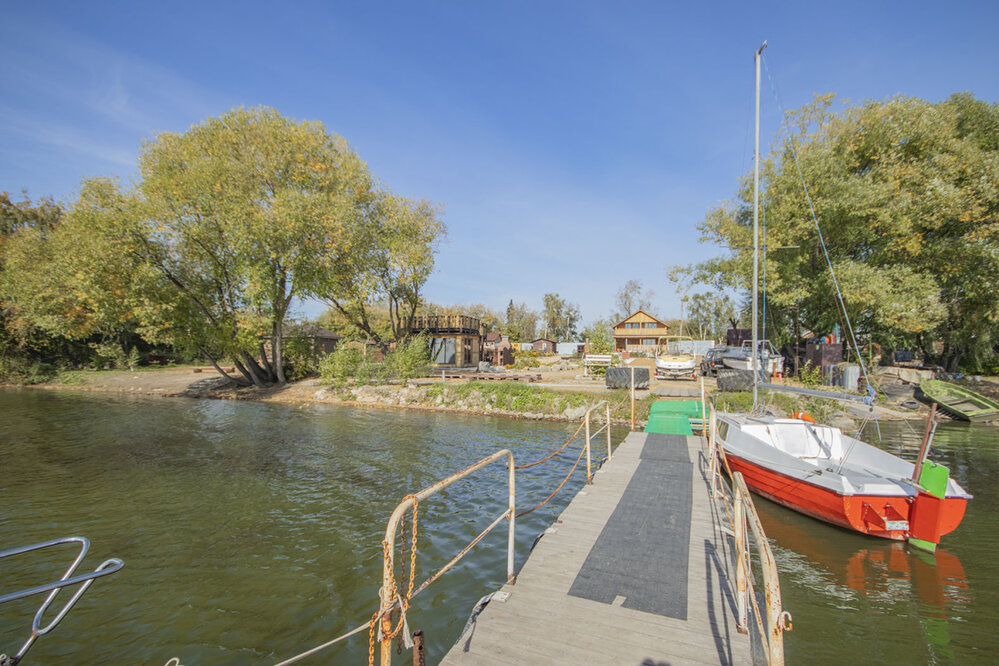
x,y
391,600
772,621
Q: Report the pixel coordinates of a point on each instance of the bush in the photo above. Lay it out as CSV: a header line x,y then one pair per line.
x,y
525,358
410,359
299,360
810,375
16,370
341,365
111,355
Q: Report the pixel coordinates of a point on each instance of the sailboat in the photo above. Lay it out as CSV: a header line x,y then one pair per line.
x,y
817,470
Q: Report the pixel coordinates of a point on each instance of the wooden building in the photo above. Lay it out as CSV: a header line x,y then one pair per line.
x,y
455,340
544,346
639,333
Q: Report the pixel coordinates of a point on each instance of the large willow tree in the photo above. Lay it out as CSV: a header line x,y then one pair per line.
x,y
906,193
229,223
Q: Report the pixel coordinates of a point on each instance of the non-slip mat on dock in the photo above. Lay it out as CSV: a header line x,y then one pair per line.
x,y
641,554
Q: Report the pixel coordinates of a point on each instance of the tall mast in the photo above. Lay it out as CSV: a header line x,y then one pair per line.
x,y
756,365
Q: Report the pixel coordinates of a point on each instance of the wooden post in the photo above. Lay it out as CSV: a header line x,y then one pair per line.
x,y
924,445
633,398
742,624
589,476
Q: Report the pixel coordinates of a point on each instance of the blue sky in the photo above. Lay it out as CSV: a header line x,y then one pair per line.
x,y
575,145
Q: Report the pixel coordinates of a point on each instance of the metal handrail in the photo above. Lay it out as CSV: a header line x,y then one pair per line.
x,y
106,568
606,426
743,511
388,602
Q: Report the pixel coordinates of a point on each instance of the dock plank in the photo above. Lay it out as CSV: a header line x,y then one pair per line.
x,y
540,621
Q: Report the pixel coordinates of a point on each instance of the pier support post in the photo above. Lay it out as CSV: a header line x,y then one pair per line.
x,y
608,431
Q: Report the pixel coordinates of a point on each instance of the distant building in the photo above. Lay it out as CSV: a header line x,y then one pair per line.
x,y
497,349
543,346
639,333
455,340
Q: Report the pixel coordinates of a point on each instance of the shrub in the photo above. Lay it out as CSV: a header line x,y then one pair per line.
x,y
16,370
342,364
299,359
810,375
525,358
409,359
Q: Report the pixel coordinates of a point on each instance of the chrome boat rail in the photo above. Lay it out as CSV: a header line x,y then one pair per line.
x,y
85,580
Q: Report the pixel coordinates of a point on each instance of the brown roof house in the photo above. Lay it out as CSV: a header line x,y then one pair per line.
x,y
639,332
544,346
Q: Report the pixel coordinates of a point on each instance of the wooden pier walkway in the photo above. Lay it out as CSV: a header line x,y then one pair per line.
x,y
638,569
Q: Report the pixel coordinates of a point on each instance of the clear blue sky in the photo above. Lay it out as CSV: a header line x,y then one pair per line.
x,y
575,144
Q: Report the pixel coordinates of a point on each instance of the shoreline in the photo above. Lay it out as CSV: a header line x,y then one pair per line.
x,y
554,400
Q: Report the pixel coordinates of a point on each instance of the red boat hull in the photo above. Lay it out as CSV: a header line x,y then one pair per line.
x,y
875,515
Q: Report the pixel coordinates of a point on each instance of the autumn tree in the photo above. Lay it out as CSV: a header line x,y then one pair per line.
x,y
228,224
906,193
560,317
521,322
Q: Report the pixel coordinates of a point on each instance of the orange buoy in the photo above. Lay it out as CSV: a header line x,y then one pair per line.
x,y
803,416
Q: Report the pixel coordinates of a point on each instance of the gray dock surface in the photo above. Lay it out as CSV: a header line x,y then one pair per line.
x,y
637,570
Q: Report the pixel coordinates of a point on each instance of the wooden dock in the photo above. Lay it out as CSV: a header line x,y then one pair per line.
x,y
638,569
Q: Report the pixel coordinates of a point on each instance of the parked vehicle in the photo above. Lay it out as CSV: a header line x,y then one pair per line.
x,y
712,361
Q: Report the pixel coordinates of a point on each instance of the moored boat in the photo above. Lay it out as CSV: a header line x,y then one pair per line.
x,y
959,402
673,361
818,471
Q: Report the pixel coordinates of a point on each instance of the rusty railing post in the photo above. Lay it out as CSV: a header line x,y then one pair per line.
x,y
740,552
632,398
589,477
510,577
608,432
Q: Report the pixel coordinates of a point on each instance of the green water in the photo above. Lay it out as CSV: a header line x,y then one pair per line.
x,y
250,532
858,599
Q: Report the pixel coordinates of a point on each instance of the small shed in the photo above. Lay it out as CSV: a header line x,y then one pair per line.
x,y
323,341
543,345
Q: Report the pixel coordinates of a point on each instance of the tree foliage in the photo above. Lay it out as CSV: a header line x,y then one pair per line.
x,y
560,317
228,224
521,322
907,196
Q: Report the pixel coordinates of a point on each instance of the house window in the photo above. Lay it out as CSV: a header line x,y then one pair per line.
x,y
648,341
651,324
631,324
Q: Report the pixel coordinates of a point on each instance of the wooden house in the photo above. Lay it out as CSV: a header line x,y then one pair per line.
x,y
639,333
544,346
455,340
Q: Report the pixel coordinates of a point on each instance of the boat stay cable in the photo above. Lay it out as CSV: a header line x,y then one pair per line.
x,y
815,219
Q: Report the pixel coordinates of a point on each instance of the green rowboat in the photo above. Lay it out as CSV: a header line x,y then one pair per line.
x,y
958,401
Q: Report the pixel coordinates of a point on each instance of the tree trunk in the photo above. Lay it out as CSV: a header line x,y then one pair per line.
x,y
235,380
276,349
253,369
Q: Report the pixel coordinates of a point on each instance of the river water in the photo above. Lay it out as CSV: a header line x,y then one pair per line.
x,y
251,532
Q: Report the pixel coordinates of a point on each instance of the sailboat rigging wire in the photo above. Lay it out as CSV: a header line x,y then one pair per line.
x,y
825,251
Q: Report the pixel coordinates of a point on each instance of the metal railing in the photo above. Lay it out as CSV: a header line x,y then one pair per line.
x,y
773,620
106,568
390,599
589,436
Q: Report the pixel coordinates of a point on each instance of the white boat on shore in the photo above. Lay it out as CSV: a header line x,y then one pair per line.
x,y
673,361
741,358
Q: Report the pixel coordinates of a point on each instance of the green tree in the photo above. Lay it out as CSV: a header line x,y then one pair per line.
x,y
710,315
560,318
521,322
601,336
907,196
